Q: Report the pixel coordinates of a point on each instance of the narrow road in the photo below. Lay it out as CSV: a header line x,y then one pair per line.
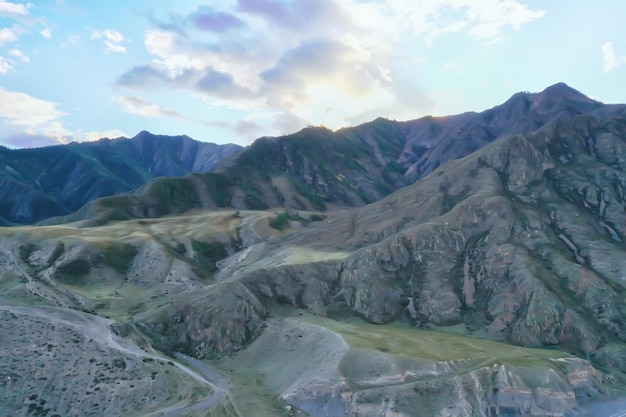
x,y
205,374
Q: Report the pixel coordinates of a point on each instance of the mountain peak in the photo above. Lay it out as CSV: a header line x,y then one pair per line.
x,y
563,91
555,98
561,86
143,134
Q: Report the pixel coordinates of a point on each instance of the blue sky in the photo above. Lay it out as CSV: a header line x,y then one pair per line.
x,y
234,70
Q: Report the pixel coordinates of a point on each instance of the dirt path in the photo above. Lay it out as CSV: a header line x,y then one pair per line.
x,y
220,386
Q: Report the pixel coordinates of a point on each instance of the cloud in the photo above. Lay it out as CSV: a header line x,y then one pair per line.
x,y
298,62
609,58
6,66
46,33
72,40
91,135
155,74
29,121
32,116
247,128
8,35
24,140
297,14
489,18
209,19
111,39
222,85
14,10
19,54
142,107
143,75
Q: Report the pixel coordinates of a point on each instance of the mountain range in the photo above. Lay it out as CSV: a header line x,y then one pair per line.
x,y
452,266
43,182
316,168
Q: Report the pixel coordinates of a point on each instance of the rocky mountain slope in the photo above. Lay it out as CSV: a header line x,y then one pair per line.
x,y
495,285
521,241
79,302
39,183
316,169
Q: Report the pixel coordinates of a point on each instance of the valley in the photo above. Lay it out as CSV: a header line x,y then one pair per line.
x,y
484,278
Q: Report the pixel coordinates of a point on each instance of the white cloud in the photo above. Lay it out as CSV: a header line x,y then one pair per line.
x,y
89,136
32,116
6,66
609,58
73,40
46,33
483,20
142,107
489,18
111,39
10,9
19,54
25,117
8,35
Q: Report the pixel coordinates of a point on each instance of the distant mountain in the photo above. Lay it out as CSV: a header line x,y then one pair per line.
x,y
43,182
316,168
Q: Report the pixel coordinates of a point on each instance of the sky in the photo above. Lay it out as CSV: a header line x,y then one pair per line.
x,y
235,70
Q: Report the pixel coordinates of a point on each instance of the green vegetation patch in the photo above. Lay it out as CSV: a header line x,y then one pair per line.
x,y
180,193
72,272
210,253
283,218
280,221
58,250
119,255
318,217
317,202
403,339
217,186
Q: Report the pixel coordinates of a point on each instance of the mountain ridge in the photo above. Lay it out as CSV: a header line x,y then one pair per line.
x,y
317,168
42,182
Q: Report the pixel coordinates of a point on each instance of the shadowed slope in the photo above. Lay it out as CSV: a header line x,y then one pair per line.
x,y
39,183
